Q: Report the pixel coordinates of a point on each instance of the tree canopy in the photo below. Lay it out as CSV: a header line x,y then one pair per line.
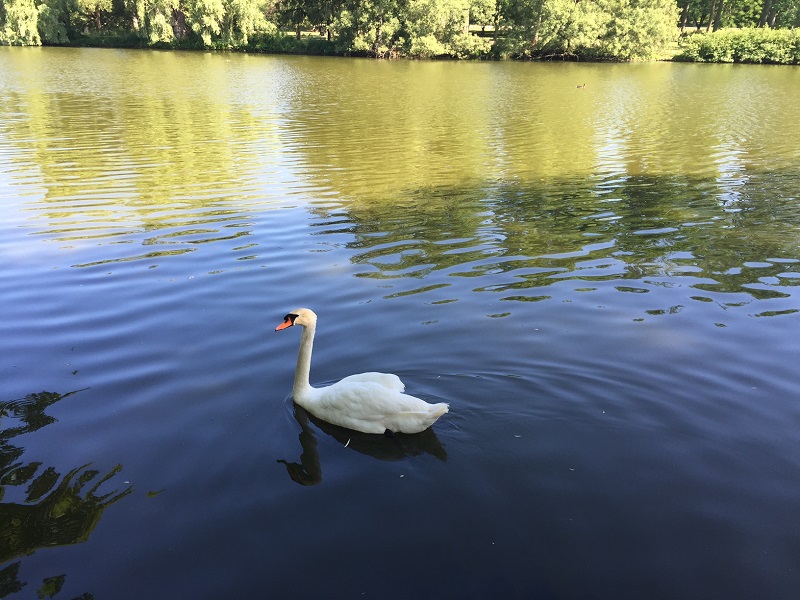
x,y
568,29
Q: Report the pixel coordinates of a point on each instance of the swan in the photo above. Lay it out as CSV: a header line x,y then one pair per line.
x,y
367,402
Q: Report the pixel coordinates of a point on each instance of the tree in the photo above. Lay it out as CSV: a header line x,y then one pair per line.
x,y
638,29
482,12
55,20
550,28
780,13
154,20
94,12
19,23
293,13
433,25
322,14
205,18
242,19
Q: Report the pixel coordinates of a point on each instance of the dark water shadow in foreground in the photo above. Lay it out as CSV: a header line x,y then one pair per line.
x,y
56,511
397,447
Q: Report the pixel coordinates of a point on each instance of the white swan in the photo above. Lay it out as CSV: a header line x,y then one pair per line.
x,y
367,402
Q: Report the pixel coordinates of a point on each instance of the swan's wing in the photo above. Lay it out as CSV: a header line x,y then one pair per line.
x,y
372,408
387,380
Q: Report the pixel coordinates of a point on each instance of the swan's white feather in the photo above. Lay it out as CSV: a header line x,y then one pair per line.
x,y
370,407
367,402
387,380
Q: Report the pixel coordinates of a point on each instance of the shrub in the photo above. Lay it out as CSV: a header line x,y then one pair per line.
x,y
777,46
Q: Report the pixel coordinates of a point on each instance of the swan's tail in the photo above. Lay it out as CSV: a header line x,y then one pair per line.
x,y
437,410
417,420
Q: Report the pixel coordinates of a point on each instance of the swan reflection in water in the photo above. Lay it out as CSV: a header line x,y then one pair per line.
x,y
389,448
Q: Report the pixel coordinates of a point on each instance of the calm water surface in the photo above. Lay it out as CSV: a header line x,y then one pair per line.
x,y
601,281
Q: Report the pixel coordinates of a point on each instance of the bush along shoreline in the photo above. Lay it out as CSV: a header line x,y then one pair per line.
x,y
754,46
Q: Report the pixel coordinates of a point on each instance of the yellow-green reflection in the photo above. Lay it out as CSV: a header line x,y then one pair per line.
x,y
506,173
140,149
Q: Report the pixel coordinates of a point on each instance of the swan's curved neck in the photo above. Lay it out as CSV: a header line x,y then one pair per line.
x,y
301,373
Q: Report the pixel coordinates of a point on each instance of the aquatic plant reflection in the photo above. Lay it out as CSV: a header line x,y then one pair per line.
x,y
397,447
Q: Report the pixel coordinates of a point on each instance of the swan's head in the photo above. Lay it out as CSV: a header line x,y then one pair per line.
x,y
301,316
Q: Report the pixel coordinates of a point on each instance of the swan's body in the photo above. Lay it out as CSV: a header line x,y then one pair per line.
x,y
367,402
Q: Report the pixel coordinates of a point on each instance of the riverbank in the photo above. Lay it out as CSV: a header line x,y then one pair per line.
x,y
750,46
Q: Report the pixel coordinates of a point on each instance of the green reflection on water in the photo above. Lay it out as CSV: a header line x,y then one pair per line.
x,y
526,237
57,510
503,173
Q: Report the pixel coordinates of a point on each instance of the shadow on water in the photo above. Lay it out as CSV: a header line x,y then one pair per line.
x,y
397,447
56,510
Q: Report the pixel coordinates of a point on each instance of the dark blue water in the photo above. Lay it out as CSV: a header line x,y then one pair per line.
x,y
617,337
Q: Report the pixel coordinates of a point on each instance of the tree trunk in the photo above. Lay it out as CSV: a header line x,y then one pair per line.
x,y
773,14
765,9
178,22
378,34
496,20
537,29
297,32
684,17
712,13
718,19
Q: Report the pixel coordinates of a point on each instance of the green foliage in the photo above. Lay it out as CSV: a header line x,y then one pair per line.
x,y
482,12
277,42
533,29
786,12
242,18
55,21
610,29
206,17
778,46
438,28
465,45
639,29
94,12
18,23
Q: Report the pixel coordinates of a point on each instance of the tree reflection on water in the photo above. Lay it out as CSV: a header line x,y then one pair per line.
x,y
57,510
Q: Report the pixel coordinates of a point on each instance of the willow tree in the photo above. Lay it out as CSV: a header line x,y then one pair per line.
x,y
19,23
157,21
242,18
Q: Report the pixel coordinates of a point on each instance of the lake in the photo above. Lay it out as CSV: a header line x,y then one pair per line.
x,y
602,281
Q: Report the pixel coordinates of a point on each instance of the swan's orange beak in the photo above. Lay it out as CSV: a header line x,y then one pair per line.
x,y
287,323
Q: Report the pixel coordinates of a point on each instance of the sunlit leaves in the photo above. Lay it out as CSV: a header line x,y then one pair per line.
x,y
619,29
242,18
565,29
18,23
639,29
